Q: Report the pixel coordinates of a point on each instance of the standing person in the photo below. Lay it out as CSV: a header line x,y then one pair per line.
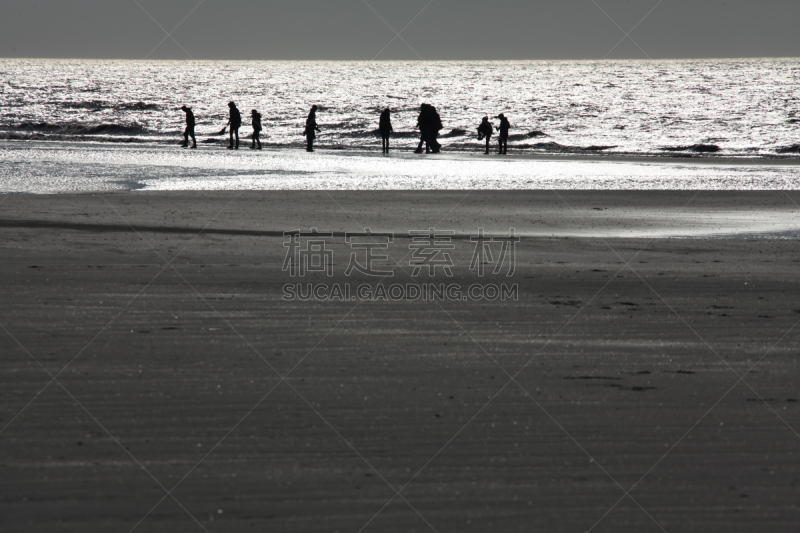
x,y
311,129
423,122
386,129
485,130
435,126
235,123
189,131
503,138
256,129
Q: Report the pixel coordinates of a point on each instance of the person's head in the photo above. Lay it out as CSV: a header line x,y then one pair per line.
x,y
254,112
184,108
314,108
485,119
387,111
231,105
501,116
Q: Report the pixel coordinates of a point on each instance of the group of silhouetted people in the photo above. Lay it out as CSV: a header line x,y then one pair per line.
x,y
486,129
429,123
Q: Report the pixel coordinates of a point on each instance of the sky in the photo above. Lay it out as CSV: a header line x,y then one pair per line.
x,y
428,29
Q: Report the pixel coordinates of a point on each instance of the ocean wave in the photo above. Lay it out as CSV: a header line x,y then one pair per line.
x,y
793,149
525,136
94,105
138,106
81,129
455,132
698,148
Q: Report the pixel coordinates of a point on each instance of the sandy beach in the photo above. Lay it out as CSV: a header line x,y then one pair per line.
x,y
74,167
645,379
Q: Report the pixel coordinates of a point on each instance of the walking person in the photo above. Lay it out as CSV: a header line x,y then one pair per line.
x,y
235,123
423,123
503,138
256,129
385,127
311,129
435,126
189,131
485,130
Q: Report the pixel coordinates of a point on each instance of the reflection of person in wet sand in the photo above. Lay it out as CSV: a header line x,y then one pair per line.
x,y
256,129
503,138
311,129
386,129
485,130
235,122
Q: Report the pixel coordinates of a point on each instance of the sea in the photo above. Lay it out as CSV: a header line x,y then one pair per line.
x,y
81,125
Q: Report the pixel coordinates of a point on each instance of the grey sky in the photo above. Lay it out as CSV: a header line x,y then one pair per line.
x,y
447,29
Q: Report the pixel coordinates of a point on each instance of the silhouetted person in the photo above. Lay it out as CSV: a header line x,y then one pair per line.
x,y
429,124
485,130
386,129
189,131
235,123
435,126
503,138
311,129
256,129
423,123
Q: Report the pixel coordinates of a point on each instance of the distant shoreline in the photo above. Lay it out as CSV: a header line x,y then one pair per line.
x,y
567,154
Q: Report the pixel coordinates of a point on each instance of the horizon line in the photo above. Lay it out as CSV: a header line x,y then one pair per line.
x,y
598,60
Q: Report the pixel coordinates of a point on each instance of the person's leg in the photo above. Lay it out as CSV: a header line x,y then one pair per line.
x,y
185,137
194,139
230,144
488,138
237,138
258,139
387,144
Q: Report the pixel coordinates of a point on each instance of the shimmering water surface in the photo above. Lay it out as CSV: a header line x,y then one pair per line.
x,y
103,125
742,107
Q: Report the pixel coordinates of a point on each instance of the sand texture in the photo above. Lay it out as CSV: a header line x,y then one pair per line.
x,y
153,377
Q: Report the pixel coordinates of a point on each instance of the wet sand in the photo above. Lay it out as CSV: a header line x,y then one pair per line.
x,y
161,314
49,168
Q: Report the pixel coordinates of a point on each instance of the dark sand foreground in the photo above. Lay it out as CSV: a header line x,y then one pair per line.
x,y
161,318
